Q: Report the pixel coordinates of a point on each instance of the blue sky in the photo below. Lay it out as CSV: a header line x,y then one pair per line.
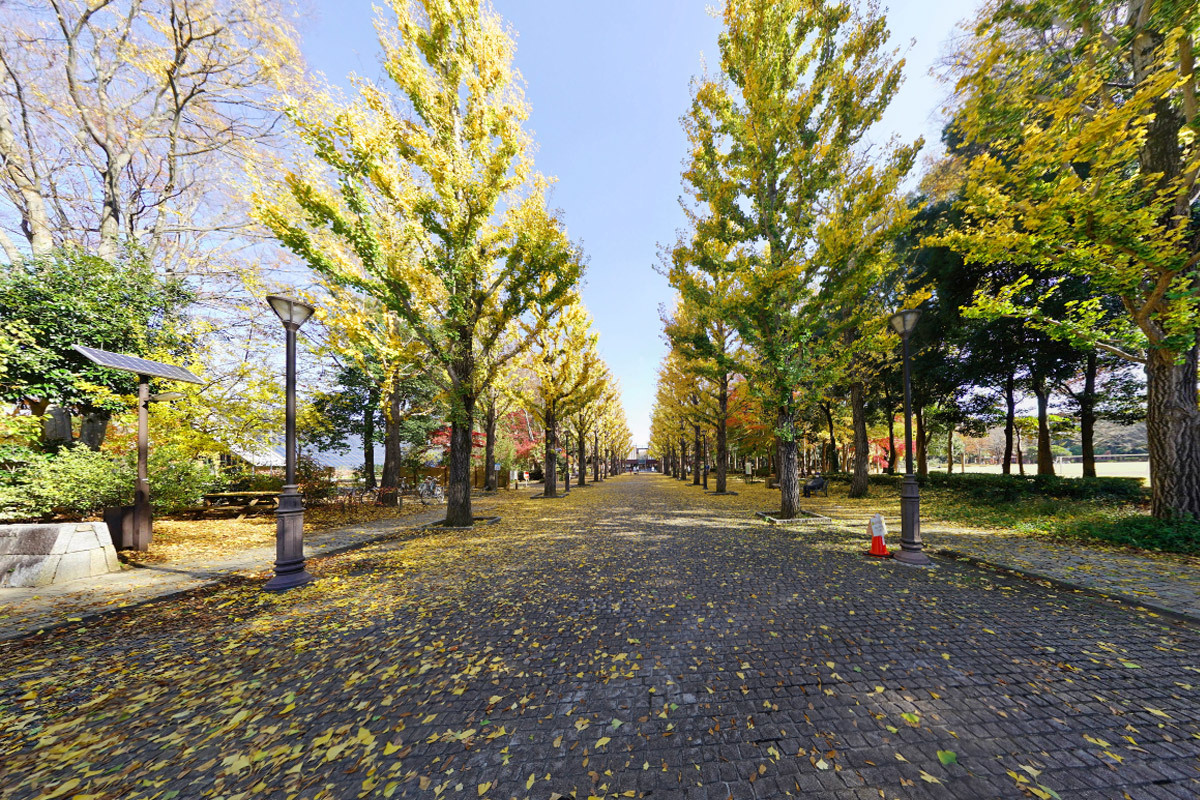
x,y
607,82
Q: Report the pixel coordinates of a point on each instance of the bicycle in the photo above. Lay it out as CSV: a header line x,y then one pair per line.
x,y
429,489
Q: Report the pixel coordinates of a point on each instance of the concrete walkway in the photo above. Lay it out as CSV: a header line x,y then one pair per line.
x,y
29,610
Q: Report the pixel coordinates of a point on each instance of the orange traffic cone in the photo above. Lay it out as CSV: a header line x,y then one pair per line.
x,y
876,528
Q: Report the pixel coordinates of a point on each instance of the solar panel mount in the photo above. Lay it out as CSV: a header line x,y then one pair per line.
x,y
138,366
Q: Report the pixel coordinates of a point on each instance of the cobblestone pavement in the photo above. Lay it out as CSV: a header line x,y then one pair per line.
x,y
1163,581
29,610
638,639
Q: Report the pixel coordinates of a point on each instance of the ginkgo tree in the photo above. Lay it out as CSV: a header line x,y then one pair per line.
x,y
423,196
1078,125
563,374
776,139
708,344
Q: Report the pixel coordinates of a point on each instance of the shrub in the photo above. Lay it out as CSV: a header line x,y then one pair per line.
x,y
238,479
317,482
176,481
77,482
1007,488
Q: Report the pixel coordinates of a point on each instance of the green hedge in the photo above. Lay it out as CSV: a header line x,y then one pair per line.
x,y
1006,488
1145,532
77,482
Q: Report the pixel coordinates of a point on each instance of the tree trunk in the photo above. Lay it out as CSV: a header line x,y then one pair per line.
x,y
950,451
1173,433
833,455
1020,455
582,465
860,484
892,454
491,477
697,461
458,488
789,471
596,457
682,459
389,485
94,428
1045,455
56,428
550,473
567,458
921,443
369,445
1010,422
722,436
1087,415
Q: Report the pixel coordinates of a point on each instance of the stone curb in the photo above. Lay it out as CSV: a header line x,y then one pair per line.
x,y
1174,614
808,518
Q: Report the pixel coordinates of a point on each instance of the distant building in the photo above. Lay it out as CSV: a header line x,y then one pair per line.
x,y
639,460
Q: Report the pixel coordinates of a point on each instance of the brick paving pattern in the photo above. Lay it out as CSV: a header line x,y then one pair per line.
x,y
640,639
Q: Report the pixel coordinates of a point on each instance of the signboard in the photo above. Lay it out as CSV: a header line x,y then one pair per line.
x,y
878,529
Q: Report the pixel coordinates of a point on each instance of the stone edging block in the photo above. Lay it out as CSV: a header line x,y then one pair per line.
x,y
41,555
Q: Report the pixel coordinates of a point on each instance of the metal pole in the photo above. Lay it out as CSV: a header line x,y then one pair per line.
x,y
911,547
289,516
141,498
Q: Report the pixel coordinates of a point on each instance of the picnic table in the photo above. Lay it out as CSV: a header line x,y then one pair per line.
x,y
247,499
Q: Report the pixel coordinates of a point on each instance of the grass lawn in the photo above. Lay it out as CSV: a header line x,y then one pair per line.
x,y
1097,521
1074,469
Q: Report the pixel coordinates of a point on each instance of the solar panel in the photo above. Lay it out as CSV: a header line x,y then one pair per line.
x,y
138,366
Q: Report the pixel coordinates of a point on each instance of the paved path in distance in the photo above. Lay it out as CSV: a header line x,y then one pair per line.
x,y
637,639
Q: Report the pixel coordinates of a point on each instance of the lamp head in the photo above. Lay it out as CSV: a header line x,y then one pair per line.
x,y
904,321
290,311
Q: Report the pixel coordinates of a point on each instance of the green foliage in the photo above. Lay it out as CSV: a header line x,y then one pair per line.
x,y
317,482
78,482
239,479
75,482
68,298
997,489
1117,526
176,481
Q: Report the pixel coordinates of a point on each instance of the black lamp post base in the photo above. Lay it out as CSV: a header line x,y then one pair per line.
x,y
289,543
288,580
914,558
911,546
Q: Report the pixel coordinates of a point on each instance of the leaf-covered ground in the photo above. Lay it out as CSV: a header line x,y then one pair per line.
x,y
182,540
637,639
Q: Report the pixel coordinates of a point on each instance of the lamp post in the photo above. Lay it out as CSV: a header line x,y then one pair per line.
x,y
911,547
289,516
